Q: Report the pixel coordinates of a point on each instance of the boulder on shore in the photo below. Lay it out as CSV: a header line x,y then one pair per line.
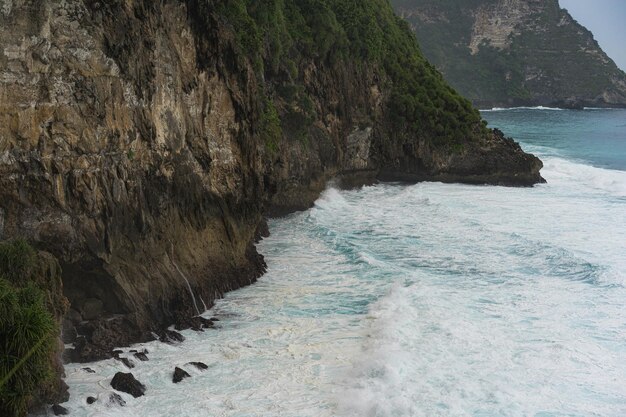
x,y
179,375
126,382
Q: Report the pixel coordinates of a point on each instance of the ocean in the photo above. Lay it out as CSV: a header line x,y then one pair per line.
x,y
422,300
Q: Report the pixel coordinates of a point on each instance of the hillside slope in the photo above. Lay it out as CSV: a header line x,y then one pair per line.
x,y
502,53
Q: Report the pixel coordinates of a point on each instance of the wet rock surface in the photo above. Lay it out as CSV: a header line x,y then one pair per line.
x,y
127,362
200,365
142,356
171,336
179,375
59,410
126,382
115,400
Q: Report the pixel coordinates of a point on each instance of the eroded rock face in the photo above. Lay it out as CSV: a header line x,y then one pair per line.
x,y
498,23
122,158
130,149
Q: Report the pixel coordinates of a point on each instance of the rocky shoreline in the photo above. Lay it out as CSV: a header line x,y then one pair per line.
x,y
133,148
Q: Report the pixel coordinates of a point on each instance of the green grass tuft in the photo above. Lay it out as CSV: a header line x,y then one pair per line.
x,y
27,330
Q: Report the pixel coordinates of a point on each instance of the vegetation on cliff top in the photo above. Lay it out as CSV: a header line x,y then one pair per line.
x,y
279,35
27,330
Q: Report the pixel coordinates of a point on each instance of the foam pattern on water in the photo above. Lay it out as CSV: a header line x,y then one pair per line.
x,y
423,300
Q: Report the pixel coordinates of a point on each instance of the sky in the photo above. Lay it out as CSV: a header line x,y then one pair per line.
x,y
606,19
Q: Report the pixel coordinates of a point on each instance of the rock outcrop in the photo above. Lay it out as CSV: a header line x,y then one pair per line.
x,y
179,374
143,142
502,53
126,382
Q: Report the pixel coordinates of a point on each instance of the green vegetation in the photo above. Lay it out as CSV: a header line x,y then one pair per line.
x,y
27,330
270,126
281,36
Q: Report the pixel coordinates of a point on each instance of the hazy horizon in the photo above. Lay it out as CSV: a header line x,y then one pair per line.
x,y
605,19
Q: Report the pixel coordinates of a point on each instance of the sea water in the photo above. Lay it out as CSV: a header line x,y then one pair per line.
x,y
422,300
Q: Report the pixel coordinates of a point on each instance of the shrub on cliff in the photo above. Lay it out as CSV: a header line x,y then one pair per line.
x,y
27,331
17,261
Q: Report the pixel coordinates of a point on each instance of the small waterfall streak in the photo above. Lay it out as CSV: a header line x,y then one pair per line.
x,y
193,297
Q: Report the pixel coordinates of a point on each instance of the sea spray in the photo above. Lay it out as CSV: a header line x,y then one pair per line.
x,y
416,300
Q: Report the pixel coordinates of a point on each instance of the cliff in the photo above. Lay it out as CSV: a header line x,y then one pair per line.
x,y
503,53
142,143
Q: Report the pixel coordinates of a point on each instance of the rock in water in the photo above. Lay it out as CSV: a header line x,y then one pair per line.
x,y
116,399
200,365
91,400
171,336
179,375
126,382
59,410
141,356
129,364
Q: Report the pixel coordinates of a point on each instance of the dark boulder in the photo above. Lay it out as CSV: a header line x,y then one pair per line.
x,y
197,323
91,400
126,382
59,410
200,365
129,363
179,375
171,336
141,356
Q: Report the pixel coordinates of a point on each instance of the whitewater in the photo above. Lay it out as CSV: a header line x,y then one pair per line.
x,y
418,300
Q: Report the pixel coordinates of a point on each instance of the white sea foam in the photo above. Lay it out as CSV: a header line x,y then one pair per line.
x,y
423,300
573,175
522,108
604,108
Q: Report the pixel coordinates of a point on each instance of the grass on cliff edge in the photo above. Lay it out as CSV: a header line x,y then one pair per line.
x,y
280,36
27,330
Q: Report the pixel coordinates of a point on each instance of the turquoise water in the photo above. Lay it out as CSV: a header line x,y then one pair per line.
x,y
595,136
421,300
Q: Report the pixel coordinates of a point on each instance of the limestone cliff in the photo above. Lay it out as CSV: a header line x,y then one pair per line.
x,y
143,142
515,53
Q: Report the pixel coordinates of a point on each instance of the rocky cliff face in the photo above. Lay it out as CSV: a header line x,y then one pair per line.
x,y
142,144
515,52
